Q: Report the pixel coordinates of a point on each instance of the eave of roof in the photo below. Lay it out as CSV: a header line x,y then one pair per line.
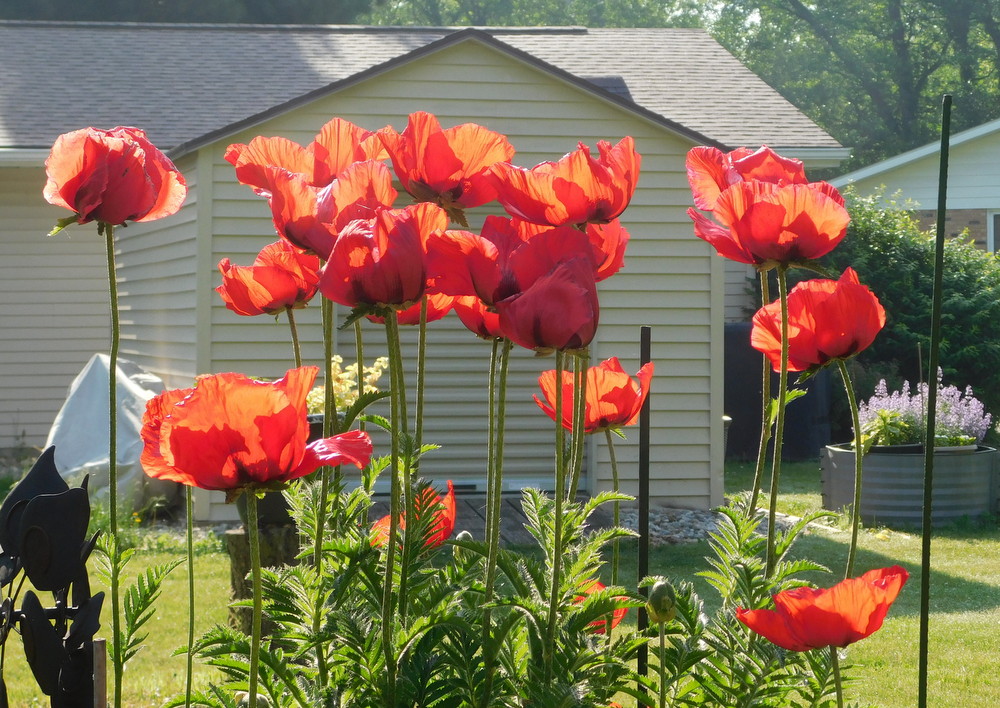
x,y
462,35
921,152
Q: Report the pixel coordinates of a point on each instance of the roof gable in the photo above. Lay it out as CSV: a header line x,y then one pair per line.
x,y
191,84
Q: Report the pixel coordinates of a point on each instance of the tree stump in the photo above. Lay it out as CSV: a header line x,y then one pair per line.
x,y
278,546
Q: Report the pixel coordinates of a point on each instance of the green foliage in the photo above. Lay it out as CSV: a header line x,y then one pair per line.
x,y
896,260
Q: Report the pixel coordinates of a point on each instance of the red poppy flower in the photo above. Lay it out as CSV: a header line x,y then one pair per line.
x,y
443,523
438,306
608,241
600,626
232,433
479,320
311,218
382,261
827,320
763,223
281,278
614,400
112,176
575,190
338,144
710,171
810,618
556,311
447,166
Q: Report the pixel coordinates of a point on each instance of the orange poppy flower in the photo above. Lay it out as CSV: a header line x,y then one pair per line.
x,y
600,626
311,217
710,171
441,526
281,278
338,144
577,189
763,224
827,320
613,400
382,261
446,167
438,306
112,176
232,433
811,618
474,314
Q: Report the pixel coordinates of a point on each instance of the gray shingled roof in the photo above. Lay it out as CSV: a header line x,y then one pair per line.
x,y
188,83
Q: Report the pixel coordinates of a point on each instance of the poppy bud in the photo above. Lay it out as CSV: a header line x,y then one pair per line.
x,y
461,554
662,602
243,698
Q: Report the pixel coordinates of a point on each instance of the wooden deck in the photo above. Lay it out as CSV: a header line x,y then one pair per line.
x,y
470,515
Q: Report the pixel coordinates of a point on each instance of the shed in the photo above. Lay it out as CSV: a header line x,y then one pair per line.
x,y
198,88
911,180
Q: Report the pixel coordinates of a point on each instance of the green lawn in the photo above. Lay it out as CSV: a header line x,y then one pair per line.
x,y
965,603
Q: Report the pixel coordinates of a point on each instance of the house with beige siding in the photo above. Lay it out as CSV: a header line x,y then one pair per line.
x,y
911,180
197,88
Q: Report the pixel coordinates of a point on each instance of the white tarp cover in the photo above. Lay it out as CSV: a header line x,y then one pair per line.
x,y
80,432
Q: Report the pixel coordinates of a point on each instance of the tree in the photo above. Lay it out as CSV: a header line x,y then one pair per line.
x,y
871,71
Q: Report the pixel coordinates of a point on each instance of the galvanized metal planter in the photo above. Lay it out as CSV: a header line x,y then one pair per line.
x,y
965,484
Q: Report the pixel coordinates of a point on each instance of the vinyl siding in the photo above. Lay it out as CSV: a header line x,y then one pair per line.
x,y
667,282
55,306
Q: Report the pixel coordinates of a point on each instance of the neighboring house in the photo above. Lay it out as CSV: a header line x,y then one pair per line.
x,y
973,183
198,88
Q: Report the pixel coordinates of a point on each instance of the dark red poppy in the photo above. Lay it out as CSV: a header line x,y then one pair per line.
x,y
441,527
600,626
710,171
338,144
311,218
575,190
811,618
477,318
281,278
463,263
827,320
438,306
763,223
446,166
608,241
555,311
112,176
232,433
382,261
613,400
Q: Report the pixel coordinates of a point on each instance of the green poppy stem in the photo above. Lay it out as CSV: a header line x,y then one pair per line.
x,y
835,663
779,424
556,588
616,507
858,457
765,419
499,365
117,653
359,348
189,508
579,411
296,349
418,432
254,536
661,666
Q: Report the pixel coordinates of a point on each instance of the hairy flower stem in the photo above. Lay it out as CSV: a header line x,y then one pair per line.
x,y
616,507
498,405
765,419
418,431
296,349
579,410
117,653
396,415
779,424
661,665
359,348
254,536
835,663
858,456
555,594
189,508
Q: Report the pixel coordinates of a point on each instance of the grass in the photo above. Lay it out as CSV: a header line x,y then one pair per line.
x,y
965,607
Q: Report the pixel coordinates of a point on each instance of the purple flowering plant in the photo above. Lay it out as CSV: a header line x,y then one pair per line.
x,y
900,417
